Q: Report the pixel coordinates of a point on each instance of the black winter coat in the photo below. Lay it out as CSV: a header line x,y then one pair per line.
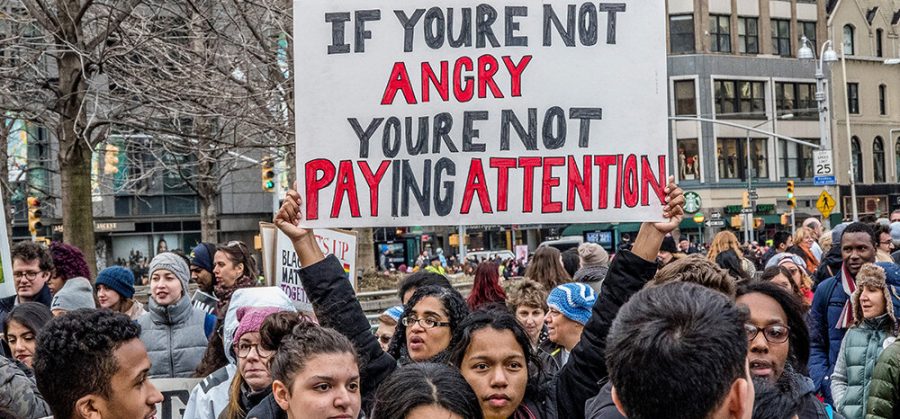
x,y
267,409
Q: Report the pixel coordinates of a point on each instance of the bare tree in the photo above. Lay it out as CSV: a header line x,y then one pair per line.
x,y
56,61
210,82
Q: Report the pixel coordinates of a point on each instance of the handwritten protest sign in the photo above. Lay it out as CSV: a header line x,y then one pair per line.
x,y
284,265
462,112
176,392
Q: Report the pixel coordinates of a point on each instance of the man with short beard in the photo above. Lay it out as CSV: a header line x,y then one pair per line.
x,y
830,314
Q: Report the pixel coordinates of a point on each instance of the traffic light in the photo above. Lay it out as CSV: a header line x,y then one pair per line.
x,y
792,202
268,175
34,215
111,160
758,223
785,219
745,200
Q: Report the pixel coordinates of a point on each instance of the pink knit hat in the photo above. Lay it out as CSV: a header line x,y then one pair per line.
x,y
250,319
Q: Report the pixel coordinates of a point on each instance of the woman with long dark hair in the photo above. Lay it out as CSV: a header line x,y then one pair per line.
x,y
20,330
234,269
486,288
426,390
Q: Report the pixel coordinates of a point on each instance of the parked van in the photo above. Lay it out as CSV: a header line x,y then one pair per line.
x,y
564,243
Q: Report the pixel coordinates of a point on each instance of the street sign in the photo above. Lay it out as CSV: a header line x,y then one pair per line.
x,y
825,204
746,210
824,180
692,202
716,215
715,223
822,163
754,196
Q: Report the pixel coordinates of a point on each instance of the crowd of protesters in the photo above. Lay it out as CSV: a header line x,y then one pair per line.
x,y
802,327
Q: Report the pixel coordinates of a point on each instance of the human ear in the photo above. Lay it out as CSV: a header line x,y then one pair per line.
x,y
740,399
88,407
281,394
617,402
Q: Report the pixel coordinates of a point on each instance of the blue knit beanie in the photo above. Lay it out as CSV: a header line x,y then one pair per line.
x,y
118,279
574,300
394,312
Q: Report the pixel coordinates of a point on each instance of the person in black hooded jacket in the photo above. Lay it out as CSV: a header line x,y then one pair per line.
x,y
336,306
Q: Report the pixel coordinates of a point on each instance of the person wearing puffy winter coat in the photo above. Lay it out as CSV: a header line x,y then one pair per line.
x,y
209,398
884,391
174,332
874,322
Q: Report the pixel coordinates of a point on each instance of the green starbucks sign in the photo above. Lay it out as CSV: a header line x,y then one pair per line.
x,y
692,202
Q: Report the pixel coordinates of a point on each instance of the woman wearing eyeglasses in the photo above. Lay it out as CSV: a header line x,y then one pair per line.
x,y
779,342
873,325
252,383
234,269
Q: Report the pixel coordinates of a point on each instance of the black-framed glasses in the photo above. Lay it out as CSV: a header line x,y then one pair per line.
x,y
243,350
774,333
27,275
426,323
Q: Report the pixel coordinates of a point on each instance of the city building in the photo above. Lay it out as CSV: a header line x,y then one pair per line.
x,y
868,34
735,63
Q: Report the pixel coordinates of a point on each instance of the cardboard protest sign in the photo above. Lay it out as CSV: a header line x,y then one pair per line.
x,y
472,113
176,392
286,270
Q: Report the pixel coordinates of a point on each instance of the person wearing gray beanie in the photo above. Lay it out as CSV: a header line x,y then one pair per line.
x,y
173,330
169,266
76,293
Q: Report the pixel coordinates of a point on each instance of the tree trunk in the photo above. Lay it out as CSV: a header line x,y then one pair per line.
x,y
209,219
77,208
365,256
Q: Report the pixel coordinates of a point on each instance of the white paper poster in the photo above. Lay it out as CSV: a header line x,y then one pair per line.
x,y
471,112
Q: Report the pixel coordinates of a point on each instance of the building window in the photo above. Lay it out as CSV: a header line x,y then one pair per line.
x,y
853,97
897,159
685,100
748,35
740,99
808,29
681,33
732,158
878,159
879,42
796,159
781,37
848,39
688,159
798,99
856,153
720,33
882,99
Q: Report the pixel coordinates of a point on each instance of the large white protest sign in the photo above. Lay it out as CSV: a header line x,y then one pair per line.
x,y
176,392
7,287
464,112
285,269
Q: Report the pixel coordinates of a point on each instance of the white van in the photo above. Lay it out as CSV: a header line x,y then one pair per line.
x,y
563,243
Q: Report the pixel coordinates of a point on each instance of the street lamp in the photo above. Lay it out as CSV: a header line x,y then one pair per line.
x,y
826,56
